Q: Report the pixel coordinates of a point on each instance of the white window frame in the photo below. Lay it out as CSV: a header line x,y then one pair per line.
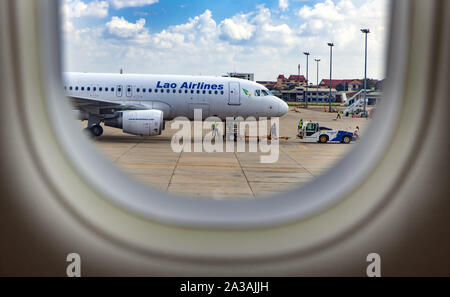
x,y
123,191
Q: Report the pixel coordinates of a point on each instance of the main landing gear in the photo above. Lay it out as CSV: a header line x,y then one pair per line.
x,y
95,131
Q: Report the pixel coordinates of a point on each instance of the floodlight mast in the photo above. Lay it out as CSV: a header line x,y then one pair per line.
x,y
307,78
366,32
330,44
317,81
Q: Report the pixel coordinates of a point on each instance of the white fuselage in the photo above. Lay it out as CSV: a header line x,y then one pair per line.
x,y
176,95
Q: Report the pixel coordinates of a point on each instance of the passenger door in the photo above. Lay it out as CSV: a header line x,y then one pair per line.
x,y
234,94
129,91
119,90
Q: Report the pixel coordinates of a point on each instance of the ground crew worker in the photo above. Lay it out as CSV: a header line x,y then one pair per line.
x,y
273,131
338,115
300,125
356,133
214,130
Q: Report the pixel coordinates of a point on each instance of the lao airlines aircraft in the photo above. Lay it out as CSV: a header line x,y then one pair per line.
x,y
139,104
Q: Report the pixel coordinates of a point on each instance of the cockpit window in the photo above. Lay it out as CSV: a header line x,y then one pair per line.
x,y
257,93
265,93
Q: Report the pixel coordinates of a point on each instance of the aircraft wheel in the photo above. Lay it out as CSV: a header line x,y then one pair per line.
x,y
346,139
97,130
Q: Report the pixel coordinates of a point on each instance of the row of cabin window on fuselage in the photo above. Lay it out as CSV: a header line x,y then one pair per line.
x,y
143,90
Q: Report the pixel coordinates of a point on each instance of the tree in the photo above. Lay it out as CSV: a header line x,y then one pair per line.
x,y
371,83
379,85
340,88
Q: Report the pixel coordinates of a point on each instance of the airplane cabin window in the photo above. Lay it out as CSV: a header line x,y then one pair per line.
x,y
226,159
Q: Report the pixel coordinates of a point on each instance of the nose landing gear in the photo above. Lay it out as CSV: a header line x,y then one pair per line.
x,y
95,131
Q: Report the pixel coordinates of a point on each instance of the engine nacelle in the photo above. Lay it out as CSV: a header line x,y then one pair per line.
x,y
80,115
139,122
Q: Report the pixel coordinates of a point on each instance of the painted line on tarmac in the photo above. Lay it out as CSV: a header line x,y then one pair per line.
x,y
150,164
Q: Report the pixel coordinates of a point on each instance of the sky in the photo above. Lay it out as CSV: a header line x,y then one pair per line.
x,y
204,37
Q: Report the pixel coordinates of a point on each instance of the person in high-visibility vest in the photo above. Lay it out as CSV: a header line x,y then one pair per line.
x,y
300,125
214,130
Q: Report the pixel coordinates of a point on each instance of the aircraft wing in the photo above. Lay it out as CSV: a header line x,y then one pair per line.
x,y
100,107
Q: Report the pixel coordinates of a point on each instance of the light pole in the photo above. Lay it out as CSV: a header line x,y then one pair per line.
x,y
331,71
299,84
366,32
317,94
307,81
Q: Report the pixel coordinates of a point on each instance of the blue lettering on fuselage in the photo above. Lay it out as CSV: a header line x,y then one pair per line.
x,y
190,85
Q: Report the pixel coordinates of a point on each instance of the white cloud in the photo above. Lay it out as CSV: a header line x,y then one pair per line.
x,y
202,29
258,28
237,28
78,9
283,4
124,29
323,10
118,4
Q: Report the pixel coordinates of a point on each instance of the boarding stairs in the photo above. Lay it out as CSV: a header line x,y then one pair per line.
x,y
356,101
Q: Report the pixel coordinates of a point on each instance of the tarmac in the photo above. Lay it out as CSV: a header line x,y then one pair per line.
x,y
219,176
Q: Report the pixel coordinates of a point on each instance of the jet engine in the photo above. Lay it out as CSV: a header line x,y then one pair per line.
x,y
139,122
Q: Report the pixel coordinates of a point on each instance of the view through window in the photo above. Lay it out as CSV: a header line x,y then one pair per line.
x,y
225,99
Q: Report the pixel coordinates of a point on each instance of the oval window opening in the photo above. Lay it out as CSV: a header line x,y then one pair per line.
x,y
225,102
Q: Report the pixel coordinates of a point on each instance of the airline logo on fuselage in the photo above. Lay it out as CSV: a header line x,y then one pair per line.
x,y
190,85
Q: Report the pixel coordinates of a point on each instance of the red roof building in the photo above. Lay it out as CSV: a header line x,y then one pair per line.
x,y
283,82
297,78
335,82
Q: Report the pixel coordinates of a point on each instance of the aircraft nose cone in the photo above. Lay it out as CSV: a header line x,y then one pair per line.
x,y
283,108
